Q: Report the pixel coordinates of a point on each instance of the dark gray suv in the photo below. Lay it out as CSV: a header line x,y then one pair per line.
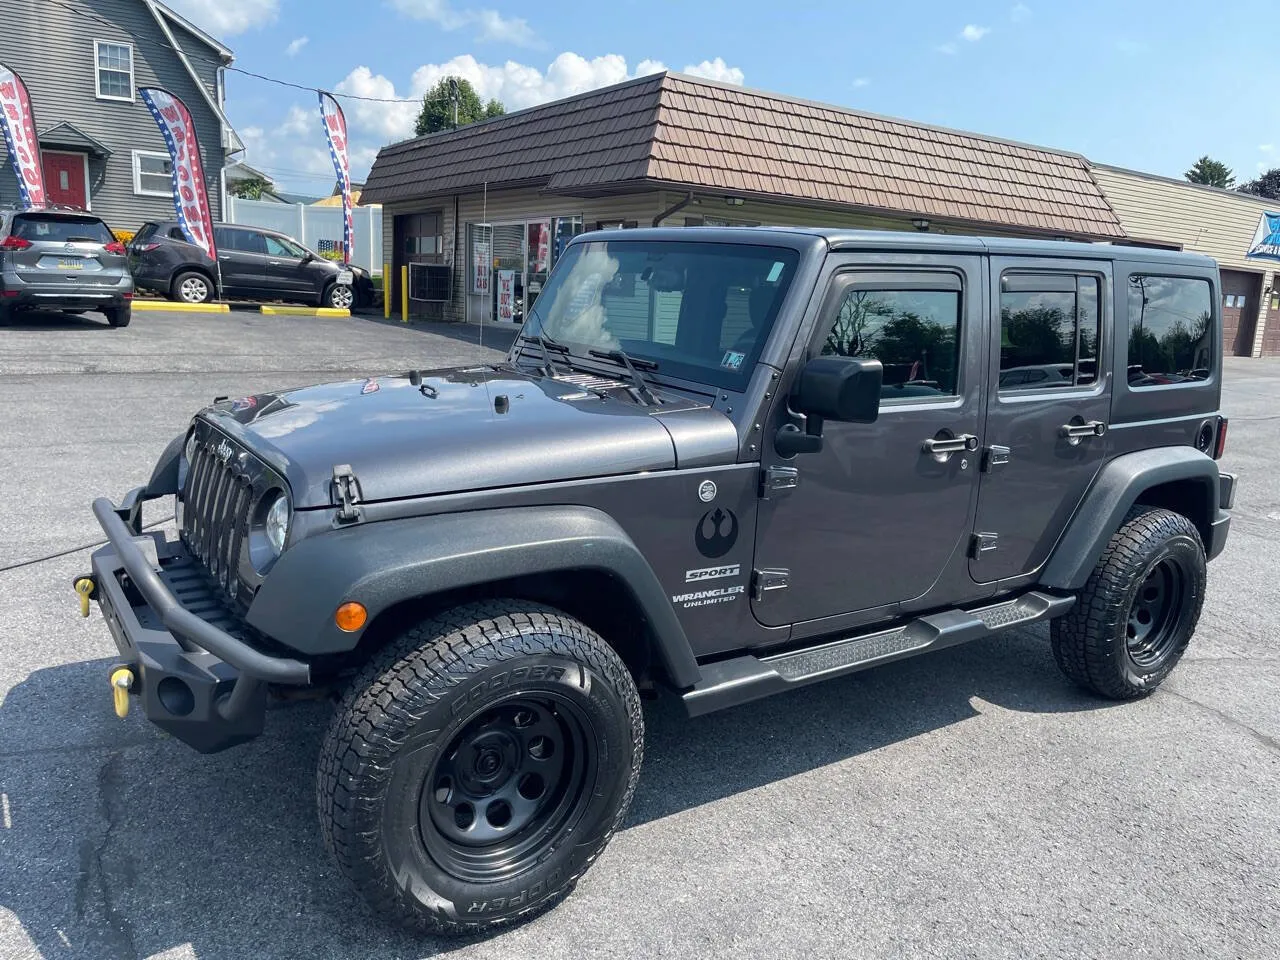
x,y
56,259
719,463
253,264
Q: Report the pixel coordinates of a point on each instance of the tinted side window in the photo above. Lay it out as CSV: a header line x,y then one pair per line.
x,y
1049,329
915,334
246,241
1171,337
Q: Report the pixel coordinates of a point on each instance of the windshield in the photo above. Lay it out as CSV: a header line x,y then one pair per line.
x,y
701,311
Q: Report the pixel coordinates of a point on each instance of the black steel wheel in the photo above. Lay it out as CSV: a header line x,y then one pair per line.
x,y
509,782
479,766
1133,620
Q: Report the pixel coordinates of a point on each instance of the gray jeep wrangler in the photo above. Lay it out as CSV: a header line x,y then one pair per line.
x,y
723,463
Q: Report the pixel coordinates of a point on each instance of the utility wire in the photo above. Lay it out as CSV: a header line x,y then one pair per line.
x,y
70,550
88,15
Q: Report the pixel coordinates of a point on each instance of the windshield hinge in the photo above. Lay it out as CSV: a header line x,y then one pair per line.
x,y
775,479
346,490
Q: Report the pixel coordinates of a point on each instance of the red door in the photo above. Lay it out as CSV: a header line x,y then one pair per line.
x,y
65,178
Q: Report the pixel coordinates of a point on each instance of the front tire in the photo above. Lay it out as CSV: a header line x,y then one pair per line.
x,y
1132,622
479,765
339,296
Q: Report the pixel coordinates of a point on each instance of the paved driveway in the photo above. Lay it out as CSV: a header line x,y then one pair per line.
x,y
968,804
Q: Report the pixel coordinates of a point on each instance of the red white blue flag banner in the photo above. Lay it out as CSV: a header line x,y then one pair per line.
x,y
190,195
20,138
335,131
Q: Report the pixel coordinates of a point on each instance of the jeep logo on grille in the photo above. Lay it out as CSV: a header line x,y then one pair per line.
x,y
223,451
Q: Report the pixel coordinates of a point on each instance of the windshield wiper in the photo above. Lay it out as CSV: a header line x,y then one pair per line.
x,y
620,356
547,346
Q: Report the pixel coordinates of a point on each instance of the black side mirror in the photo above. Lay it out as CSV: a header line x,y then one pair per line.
x,y
845,389
308,257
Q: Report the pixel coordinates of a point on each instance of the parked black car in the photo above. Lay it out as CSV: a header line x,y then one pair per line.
x,y
55,259
255,264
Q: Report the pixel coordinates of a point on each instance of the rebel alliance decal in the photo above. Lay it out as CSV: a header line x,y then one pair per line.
x,y
716,533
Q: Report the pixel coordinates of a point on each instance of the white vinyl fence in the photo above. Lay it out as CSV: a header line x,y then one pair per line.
x,y
317,228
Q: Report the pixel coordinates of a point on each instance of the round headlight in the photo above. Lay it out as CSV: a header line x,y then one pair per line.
x,y
277,524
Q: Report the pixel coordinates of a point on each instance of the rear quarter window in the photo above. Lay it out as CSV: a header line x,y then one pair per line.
x,y
1172,338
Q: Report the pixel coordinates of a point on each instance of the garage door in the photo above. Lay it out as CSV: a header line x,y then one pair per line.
x,y
1240,293
1271,332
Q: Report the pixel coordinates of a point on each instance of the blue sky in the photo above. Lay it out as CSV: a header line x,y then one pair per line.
x,y
1148,85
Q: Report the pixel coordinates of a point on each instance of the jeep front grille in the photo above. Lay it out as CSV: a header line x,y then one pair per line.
x,y
216,501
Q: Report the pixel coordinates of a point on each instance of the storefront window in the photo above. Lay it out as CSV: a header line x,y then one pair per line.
x,y
508,263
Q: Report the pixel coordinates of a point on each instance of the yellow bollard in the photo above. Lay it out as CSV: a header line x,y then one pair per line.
x,y
404,294
386,294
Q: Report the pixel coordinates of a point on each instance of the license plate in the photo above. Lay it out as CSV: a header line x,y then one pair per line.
x,y
70,263
345,277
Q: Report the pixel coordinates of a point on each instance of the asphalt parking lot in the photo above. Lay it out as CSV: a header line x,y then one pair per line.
x,y
967,804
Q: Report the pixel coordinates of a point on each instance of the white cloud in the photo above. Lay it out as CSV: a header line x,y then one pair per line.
x,y
515,84
1020,12
862,81
974,33
490,25
223,18
1266,147
948,48
295,45
717,69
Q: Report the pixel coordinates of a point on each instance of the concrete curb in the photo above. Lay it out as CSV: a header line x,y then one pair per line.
x,y
278,311
166,306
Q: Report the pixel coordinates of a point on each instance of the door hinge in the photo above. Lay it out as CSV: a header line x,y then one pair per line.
x,y
994,456
767,580
983,543
346,490
776,479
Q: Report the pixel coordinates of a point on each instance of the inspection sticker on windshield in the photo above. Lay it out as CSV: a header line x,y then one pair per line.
x,y
775,273
733,360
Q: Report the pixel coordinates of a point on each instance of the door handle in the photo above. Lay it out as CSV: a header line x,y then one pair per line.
x,y
1073,433
965,441
224,256
273,263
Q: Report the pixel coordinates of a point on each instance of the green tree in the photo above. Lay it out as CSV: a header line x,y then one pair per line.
x,y
917,350
437,111
1267,185
1211,173
249,188
849,336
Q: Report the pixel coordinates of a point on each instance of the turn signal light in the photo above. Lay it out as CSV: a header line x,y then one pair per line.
x,y
1221,447
351,616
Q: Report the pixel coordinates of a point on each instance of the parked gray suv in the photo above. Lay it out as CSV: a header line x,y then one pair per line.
x,y
723,463
57,259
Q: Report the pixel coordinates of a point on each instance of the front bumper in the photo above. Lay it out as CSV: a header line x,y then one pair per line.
x,y
195,674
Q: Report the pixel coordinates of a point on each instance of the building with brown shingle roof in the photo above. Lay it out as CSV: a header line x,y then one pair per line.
x,y
504,194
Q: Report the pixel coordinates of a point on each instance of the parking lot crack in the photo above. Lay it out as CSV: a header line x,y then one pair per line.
x,y
1265,740
93,883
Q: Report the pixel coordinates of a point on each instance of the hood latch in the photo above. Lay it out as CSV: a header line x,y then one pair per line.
x,y
346,490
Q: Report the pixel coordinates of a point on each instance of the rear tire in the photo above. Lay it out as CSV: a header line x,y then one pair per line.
x,y
191,286
479,765
118,316
1132,622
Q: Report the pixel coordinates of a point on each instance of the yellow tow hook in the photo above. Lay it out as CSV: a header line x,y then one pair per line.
x,y
121,682
84,589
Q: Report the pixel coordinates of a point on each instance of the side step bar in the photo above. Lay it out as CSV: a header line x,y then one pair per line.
x,y
746,678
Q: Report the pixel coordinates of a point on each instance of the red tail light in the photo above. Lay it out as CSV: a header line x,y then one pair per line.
x,y
14,243
146,247
115,246
127,296
1221,446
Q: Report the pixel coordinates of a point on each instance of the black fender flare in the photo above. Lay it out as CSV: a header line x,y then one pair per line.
x,y
382,564
1118,486
164,477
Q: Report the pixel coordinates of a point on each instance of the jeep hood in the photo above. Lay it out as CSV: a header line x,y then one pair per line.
x,y
464,429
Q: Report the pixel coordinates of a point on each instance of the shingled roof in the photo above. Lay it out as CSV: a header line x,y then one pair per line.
x,y
684,132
